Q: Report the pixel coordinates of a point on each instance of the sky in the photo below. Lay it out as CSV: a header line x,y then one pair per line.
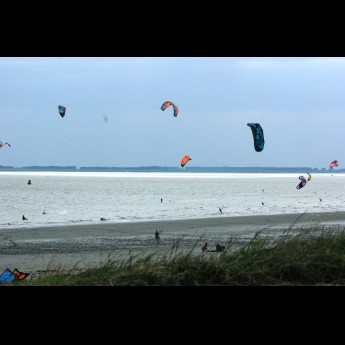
x,y
114,116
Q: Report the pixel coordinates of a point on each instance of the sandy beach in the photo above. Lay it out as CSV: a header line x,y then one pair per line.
x,y
37,250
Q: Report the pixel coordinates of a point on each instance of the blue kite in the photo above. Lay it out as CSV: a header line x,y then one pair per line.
x,y
302,183
258,136
7,276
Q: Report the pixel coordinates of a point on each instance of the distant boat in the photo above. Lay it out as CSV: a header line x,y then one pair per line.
x,y
29,182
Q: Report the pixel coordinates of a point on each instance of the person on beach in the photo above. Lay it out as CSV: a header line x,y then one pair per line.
x,y
204,247
102,218
24,218
263,204
220,210
161,200
158,239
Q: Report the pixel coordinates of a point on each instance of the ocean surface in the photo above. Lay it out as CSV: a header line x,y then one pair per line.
x,y
84,197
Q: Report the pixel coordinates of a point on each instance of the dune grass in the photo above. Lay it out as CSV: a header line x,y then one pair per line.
x,y
312,256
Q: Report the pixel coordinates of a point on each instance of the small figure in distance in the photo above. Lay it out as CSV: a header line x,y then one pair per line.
x,y
102,218
204,247
320,200
219,248
29,182
24,218
158,239
220,210
263,204
44,212
161,200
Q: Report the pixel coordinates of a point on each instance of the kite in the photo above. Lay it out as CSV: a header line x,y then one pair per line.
x,y
62,110
185,160
302,183
258,136
20,275
7,276
3,144
168,104
309,177
333,164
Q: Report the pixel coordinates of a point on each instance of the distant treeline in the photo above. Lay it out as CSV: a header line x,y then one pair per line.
x,y
174,169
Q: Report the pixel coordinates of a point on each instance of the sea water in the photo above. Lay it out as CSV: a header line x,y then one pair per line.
x,y
84,197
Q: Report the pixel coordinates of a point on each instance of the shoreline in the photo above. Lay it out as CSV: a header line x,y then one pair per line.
x,y
41,249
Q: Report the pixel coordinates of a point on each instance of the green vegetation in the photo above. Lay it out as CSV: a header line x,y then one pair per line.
x,y
304,257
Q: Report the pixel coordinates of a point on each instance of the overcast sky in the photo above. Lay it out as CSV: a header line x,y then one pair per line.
x,y
114,115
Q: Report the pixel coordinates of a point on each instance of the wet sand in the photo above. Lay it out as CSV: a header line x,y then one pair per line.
x,y
77,247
